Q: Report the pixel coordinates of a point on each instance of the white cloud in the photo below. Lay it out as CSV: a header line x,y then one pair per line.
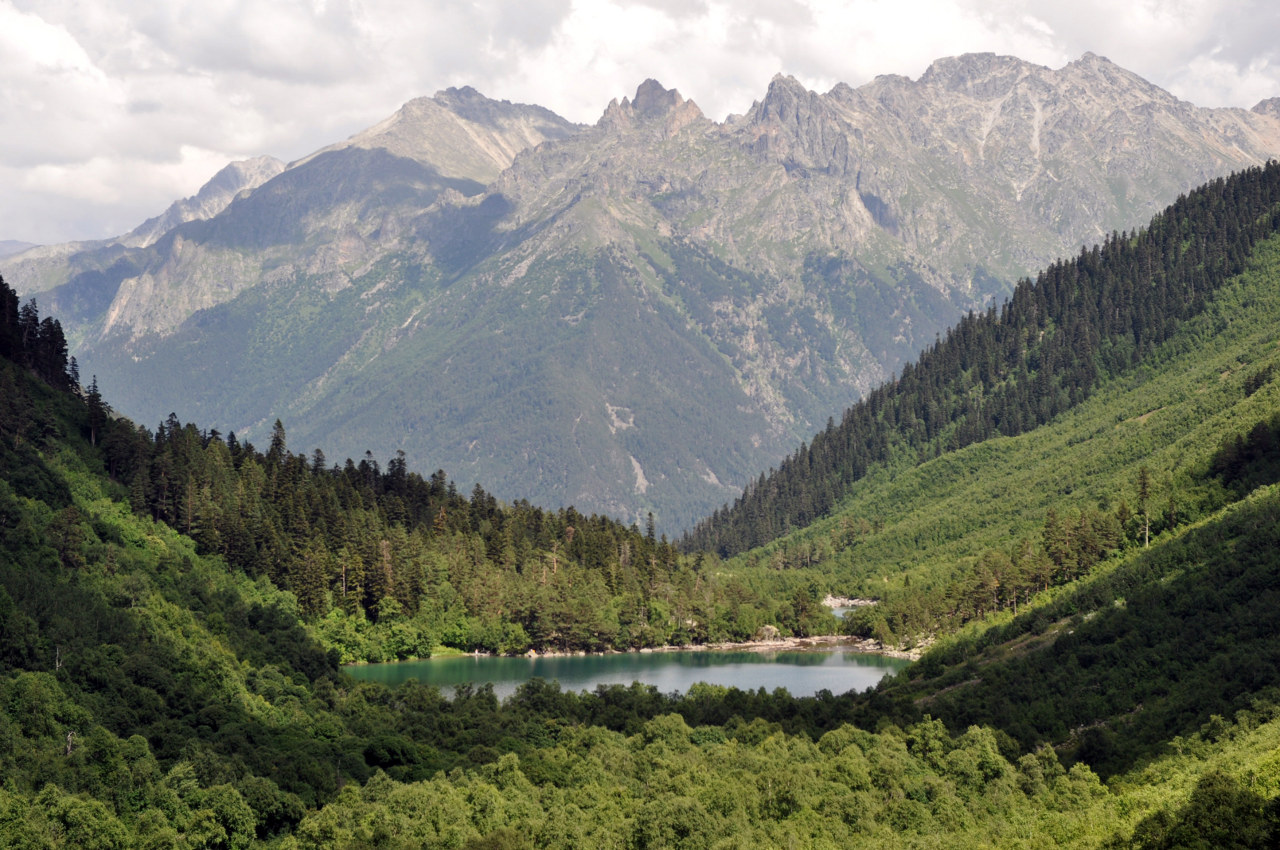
x,y
53,99
96,180
110,110
1209,79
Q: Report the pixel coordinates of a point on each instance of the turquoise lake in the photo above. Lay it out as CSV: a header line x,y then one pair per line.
x,y
801,672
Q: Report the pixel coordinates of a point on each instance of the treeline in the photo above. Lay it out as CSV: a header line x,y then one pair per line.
x,y
1007,371
387,563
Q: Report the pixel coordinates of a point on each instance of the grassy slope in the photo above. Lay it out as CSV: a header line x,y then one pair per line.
x,y
1170,415
1124,663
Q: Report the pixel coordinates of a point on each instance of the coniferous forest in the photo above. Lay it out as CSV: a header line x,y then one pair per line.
x,y
1069,503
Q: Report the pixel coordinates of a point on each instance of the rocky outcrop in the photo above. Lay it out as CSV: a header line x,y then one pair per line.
x,y
654,107
1269,107
326,216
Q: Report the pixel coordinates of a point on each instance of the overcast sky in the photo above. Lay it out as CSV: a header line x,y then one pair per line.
x,y
110,110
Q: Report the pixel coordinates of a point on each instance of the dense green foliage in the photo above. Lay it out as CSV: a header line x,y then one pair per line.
x,y
36,343
672,785
1133,646
1007,372
1121,664
150,696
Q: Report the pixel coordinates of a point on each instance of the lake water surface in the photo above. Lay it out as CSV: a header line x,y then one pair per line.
x,y
801,672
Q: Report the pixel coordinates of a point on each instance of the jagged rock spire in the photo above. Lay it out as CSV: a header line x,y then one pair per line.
x,y
653,103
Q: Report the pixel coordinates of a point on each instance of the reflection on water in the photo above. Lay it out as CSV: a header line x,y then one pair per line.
x,y
802,673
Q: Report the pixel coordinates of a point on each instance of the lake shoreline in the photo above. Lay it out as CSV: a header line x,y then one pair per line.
x,y
832,601
813,643
804,667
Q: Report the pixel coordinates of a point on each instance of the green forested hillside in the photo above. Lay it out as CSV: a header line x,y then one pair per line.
x,y
1100,592
1007,372
987,527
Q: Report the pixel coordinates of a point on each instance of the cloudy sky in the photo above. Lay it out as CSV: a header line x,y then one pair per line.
x,y
111,109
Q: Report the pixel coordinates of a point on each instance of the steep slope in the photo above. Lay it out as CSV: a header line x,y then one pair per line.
x,y
92,264
328,216
1164,644
1048,348
662,304
459,132
931,522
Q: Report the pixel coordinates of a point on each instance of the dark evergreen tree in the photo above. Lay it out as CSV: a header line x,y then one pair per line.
x,y
98,411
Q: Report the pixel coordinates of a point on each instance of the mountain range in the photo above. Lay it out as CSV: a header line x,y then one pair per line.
x,y
635,316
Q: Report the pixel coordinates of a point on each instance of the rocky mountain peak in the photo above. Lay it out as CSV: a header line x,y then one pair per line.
x,y
460,133
653,104
1269,107
243,174
470,105
841,91
653,101
465,102
1106,79
797,128
980,75
785,102
463,95
1095,62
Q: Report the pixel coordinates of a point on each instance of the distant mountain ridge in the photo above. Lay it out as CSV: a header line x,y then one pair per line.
x,y
635,316
12,246
243,176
